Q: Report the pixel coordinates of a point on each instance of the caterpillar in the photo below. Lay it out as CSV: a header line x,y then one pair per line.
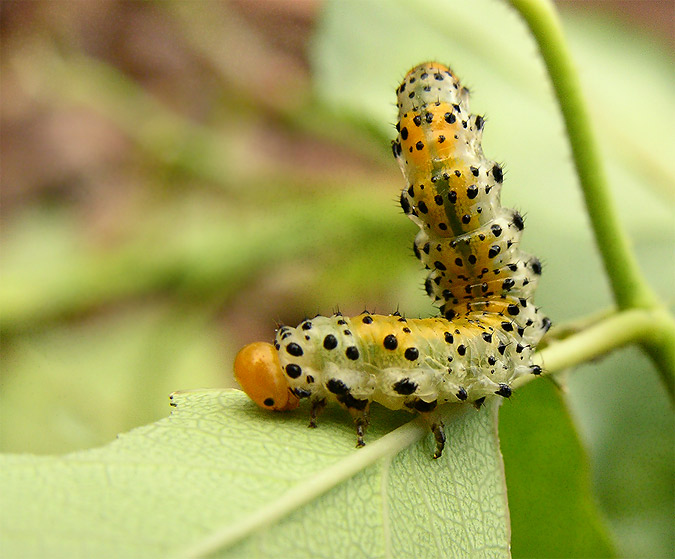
x,y
478,276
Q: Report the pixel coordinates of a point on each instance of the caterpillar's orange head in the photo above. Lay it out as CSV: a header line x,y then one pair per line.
x,y
258,371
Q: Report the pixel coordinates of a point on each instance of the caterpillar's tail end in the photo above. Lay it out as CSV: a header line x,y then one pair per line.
x,y
258,371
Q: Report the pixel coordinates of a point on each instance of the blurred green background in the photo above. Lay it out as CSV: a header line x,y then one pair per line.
x,y
179,176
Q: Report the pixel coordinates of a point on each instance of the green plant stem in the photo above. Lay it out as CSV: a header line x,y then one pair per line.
x,y
644,326
629,287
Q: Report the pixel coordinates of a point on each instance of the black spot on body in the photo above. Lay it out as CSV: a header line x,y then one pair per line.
x,y
390,342
412,353
472,191
497,173
422,207
349,401
405,205
422,406
450,118
396,148
461,393
461,349
352,353
269,402
419,146
536,266
513,310
428,287
294,349
487,337
504,391
330,342
367,320
494,251
336,386
293,370
416,251
404,387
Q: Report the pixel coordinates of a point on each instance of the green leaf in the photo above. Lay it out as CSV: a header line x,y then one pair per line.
x,y
545,466
221,475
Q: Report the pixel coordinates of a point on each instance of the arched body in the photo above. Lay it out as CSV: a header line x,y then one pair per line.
x,y
478,276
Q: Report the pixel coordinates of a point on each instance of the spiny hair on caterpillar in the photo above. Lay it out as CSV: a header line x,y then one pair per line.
x,y
411,364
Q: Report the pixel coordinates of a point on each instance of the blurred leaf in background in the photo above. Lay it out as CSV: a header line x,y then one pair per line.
x,y
176,177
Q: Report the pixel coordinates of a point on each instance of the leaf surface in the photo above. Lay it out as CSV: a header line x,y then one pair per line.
x,y
221,475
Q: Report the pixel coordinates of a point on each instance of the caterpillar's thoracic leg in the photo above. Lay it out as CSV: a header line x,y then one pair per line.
x,y
361,424
316,408
439,435
437,428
